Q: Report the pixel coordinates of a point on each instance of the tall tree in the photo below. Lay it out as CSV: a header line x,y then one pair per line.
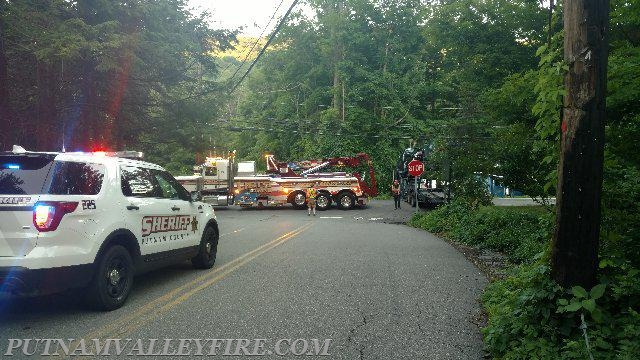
x,y
4,93
576,238
106,74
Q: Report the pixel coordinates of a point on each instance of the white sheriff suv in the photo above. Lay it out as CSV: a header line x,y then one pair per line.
x,y
94,220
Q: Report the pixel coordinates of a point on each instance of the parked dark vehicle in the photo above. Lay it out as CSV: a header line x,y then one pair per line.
x,y
430,193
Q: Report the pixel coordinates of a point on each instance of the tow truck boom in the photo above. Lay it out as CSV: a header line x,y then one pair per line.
x,y
310,167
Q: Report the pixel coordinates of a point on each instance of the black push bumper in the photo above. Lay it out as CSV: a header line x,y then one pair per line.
x,y
27,282
431,197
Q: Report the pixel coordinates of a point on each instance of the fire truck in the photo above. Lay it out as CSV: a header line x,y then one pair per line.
x,y
284,182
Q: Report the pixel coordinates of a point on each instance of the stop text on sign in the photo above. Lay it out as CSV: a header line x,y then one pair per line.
x,y
416,167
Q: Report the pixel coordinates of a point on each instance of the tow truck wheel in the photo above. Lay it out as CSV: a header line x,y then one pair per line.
x,y
112,281
208,250
299,200
346,201
323,202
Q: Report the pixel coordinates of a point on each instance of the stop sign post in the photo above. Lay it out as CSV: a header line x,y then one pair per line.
x,y
416,168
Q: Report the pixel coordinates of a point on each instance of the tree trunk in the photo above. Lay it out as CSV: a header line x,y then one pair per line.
x,y
85,130
4,91
338,55
575,242
336,84
4,77
47,112
550,23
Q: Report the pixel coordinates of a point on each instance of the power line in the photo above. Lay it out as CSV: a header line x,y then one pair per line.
x,y
288,126
321,132
301,127
271,37
255,43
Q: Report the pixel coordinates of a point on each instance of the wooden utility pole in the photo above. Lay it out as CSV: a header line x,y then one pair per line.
x,y
575,242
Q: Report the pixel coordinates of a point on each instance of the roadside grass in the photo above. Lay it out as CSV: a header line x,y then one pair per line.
x,y
383,196
519,232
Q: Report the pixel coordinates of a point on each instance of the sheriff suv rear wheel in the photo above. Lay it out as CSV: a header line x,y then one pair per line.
x,y
113,279
208,250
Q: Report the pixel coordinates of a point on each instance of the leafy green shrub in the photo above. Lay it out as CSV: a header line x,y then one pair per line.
x,y
519,310
443,219
621,211
384,196
532,317
473,190
519,232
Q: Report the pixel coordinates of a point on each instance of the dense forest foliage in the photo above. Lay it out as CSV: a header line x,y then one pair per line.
x,y
359,76
101,74
380,76
478,82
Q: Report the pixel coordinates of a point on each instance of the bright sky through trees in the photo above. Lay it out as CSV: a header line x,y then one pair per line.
x,y
252,15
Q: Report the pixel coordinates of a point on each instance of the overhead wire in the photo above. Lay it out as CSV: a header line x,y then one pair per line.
x,y
288,126
266,45
255,43
301,127
208,91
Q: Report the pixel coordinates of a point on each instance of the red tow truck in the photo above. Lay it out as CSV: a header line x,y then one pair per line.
x,y
285,182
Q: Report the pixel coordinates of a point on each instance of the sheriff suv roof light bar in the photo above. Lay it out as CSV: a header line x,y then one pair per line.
x,y
128,154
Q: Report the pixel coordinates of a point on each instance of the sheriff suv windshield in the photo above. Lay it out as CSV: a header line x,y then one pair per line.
x,y
41,174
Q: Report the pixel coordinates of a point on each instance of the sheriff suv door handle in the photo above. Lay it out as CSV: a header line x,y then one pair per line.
x,y
175,208
133,207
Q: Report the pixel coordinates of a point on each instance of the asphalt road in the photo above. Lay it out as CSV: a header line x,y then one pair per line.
x,y
377,289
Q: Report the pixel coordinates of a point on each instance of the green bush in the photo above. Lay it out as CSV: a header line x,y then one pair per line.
x,y
443,219
621,211
518,232
384,196
531,317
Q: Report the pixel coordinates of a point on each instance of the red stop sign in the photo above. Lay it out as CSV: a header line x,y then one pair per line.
x,y
416,167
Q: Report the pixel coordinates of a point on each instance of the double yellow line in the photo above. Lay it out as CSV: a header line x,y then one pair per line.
x,y
127,324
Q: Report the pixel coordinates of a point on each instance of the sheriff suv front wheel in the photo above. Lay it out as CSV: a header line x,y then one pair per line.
x,y
113,279
208,249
